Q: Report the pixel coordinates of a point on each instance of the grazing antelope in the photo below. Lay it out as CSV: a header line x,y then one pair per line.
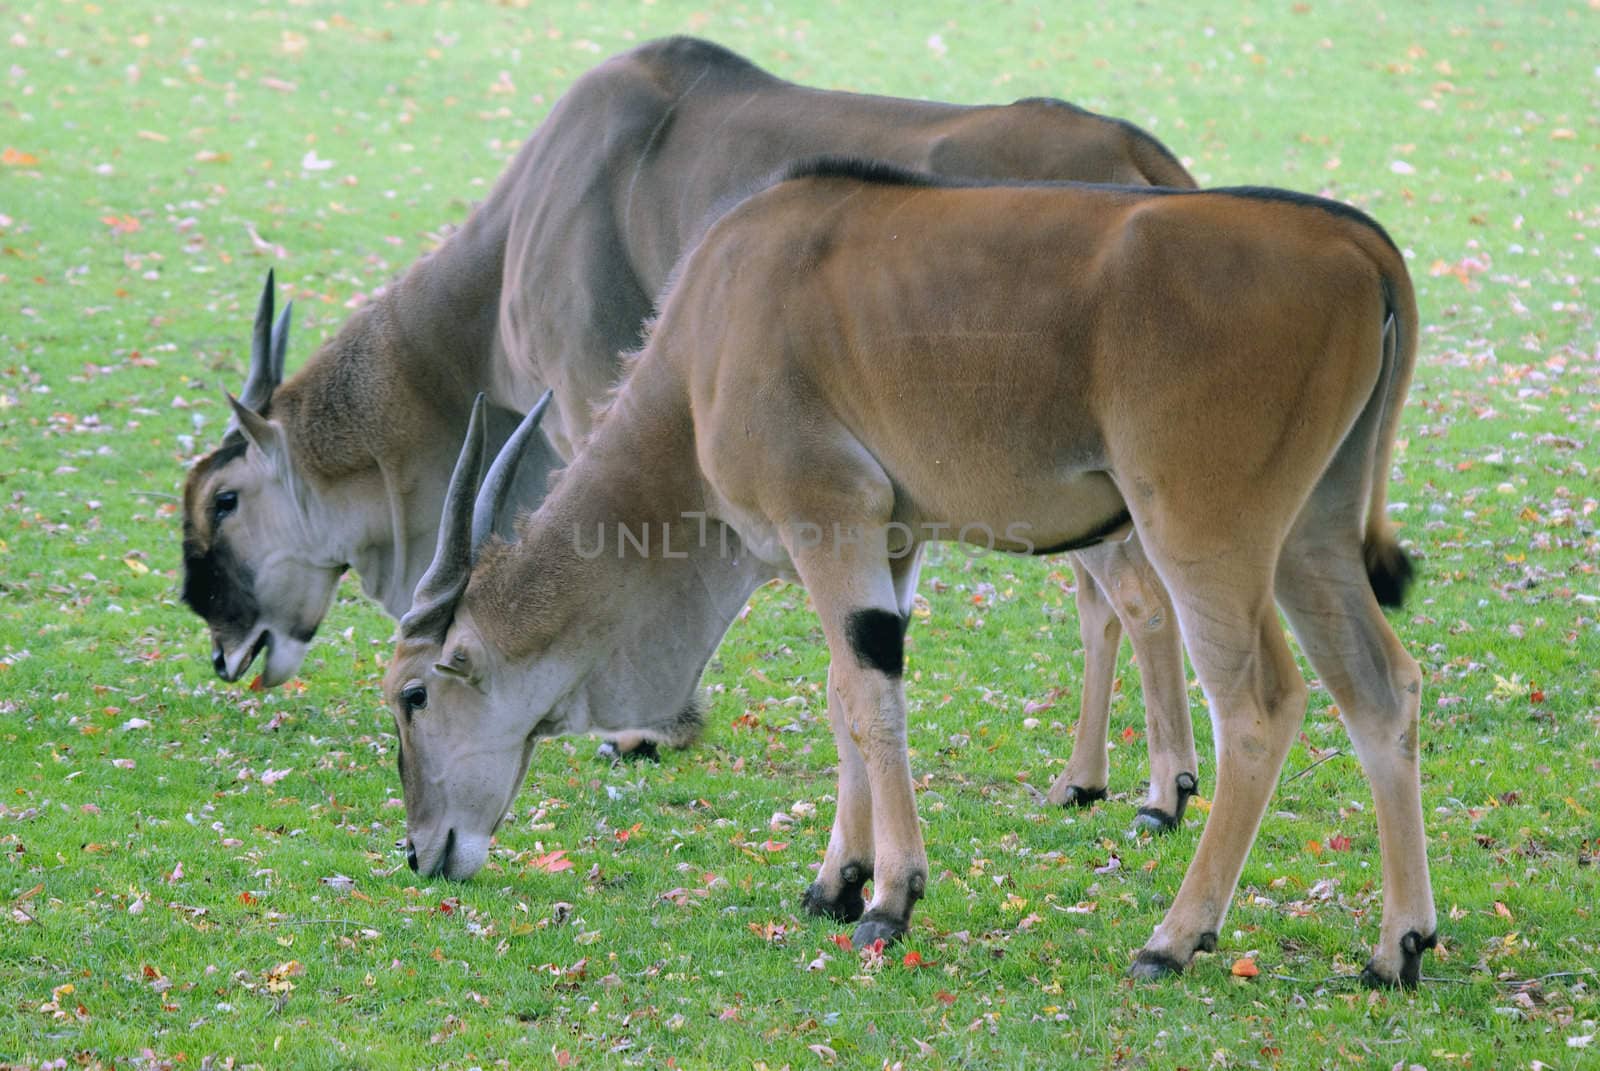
x,y
345,464
858,356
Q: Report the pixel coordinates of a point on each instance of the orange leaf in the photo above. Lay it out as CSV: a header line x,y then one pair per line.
x,y
842,940
1244,967
553,862
17,158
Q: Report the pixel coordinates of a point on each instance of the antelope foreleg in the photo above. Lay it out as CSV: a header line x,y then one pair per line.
x,y
1088,771
847,865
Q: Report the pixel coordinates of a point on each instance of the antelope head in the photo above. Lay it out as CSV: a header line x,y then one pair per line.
x,y
251,567
462,754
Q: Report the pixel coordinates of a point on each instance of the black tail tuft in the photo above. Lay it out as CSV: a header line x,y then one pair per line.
x,y
1389,571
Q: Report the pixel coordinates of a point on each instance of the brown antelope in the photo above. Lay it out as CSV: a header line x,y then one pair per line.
x,y
345,464
859,356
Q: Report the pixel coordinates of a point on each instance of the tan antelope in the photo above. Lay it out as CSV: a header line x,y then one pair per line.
x,y
860,355
549,280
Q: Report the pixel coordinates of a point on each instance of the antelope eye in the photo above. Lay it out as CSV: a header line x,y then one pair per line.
x,y
225,503
414,697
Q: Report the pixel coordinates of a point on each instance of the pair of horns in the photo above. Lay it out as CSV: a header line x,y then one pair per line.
x,y
268,346
470,511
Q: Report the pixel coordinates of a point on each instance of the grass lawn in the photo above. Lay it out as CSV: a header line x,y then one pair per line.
x,y
196,875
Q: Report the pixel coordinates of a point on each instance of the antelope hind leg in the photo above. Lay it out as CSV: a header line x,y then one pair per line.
x,y
1378,688
1258,701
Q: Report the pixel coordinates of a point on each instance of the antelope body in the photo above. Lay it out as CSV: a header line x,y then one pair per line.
x,y
549,280
859,350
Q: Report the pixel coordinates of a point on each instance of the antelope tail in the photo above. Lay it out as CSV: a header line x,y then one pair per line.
x,y
1389,568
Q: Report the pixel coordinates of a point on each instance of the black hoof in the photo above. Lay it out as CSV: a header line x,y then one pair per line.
x,y
848,905
645,751
880,928
1078,796
1155,820
1150,966
1412,946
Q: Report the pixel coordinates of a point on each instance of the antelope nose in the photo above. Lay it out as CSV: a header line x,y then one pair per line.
x,y
411,854
219,661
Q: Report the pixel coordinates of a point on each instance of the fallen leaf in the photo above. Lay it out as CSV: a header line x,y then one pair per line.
x,y
552,862
1244,967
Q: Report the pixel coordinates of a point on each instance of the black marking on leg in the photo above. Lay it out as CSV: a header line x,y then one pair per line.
x,y
1149,965
847,904
1078,796
878,639
1389,571
1412,946
1207,942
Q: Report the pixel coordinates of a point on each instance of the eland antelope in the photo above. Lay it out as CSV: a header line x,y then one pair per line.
x,y
344,465
860,355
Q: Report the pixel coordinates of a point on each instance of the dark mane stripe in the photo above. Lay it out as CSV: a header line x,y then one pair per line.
x,y
878,172
863,169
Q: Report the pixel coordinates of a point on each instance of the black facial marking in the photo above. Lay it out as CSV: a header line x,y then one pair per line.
x,y
878,639
234,446
303,633
218,586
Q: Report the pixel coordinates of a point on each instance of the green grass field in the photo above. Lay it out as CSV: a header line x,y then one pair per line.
x,y
194,875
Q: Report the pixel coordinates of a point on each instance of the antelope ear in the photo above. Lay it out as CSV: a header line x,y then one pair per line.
x,y
262,433
460,662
